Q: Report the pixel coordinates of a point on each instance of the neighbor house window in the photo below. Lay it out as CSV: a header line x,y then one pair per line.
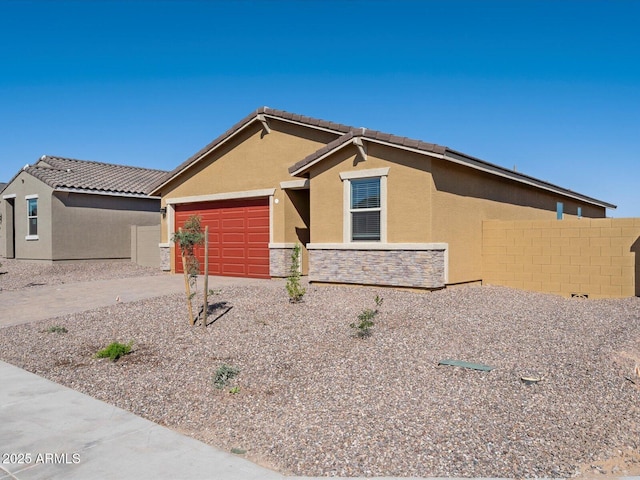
x,y
32,217
365,216
365,209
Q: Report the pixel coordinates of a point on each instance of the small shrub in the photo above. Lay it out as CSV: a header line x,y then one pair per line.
x,y
365,322
235,390
294,289
378,301
365,319
114,351
223,375
57,329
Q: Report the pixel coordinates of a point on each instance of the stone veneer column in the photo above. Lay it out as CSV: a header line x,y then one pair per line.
x,y
280,260
165,258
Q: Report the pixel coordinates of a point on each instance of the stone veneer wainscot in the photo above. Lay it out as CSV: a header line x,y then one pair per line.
x,y
398,265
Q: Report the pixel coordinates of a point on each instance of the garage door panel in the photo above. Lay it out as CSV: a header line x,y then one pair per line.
x,y
257,238
235,269
233,223
232,254
233,238
238,236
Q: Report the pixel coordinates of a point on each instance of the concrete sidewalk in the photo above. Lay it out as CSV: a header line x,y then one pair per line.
x,y
69,435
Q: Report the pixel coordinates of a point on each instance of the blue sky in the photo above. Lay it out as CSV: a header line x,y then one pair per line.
x,y
550,87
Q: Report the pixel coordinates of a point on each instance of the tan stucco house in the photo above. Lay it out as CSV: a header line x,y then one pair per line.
x,y
368,207
62,209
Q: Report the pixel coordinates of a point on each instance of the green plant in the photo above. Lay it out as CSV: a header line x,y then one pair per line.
x,y
378,301
222,376
114,351
57,329
365,322
187,238
294,289
365,319
234,390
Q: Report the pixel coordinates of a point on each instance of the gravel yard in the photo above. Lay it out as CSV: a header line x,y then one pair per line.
x,y
314,399
16,275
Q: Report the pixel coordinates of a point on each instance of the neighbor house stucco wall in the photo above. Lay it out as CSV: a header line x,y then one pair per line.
x,y
22,186
91,226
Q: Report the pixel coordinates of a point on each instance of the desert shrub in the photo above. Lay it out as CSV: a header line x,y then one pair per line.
x,y
223,374
365,319
114,351
294,289
57,329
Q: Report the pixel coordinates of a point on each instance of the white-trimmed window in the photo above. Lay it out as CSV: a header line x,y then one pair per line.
x,y
365,212
32,217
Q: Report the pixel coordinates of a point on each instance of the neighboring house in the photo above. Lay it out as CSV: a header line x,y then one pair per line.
x,y
61,209
368,207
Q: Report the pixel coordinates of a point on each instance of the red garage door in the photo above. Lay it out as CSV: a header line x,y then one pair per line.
x,y
238,236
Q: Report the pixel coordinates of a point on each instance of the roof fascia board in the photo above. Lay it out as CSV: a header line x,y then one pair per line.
x,y
520,178
105,194
303,124
322,157
473,163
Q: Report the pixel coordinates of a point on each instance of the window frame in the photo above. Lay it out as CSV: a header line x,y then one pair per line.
x,y
29,235
347,177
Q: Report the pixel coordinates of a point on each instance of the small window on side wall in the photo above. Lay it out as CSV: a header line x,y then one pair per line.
x,y
32,216
365,209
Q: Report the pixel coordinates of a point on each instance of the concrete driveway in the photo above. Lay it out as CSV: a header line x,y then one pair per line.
x,y
42,302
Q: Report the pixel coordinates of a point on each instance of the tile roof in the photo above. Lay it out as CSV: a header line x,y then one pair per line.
x,y
94,177
367,134
346,134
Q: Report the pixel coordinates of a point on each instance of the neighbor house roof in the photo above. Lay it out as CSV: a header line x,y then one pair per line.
x,y
346,135
83,176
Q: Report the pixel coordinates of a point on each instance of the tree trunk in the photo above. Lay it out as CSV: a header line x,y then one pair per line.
x,y
205,310
187,287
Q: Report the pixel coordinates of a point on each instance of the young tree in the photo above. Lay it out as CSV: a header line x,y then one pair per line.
x,y
187,238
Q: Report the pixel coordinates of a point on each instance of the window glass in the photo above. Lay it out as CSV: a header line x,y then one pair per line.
x,y
365,209
365,193
32,213
366,226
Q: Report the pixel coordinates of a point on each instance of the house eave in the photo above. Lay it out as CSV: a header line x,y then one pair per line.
x,y
260,116
471,162
105,193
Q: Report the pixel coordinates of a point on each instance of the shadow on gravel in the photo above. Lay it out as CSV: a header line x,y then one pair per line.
x,y
215,307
